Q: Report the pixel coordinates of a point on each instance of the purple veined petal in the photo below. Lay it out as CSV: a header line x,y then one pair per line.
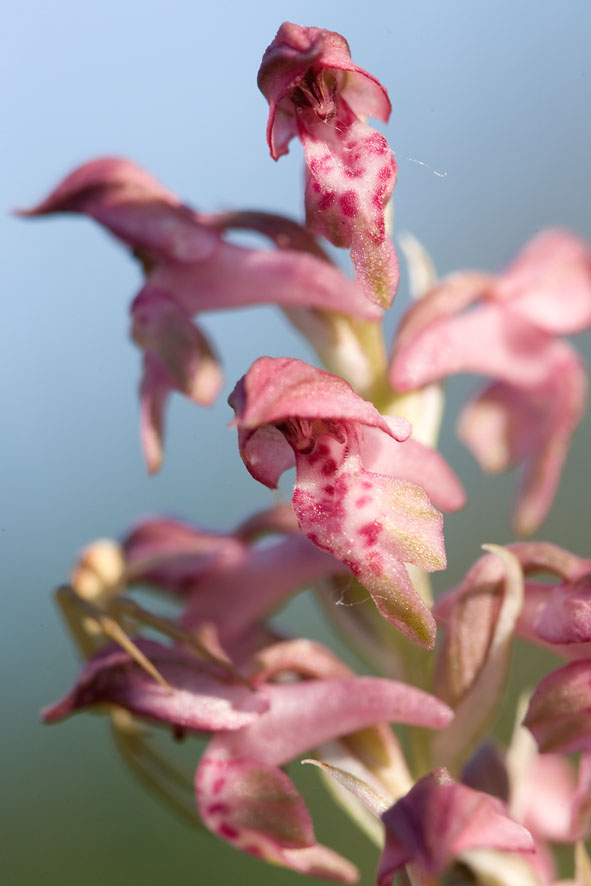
x,y
488,340
135,207
507,424
256,808
373,524
320,62
161,327
549,283
559,713
413,461
438,820
235,277
351,173
277,389
303,715
197,700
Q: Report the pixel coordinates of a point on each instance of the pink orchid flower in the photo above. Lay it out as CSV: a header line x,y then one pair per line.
x,y
244,797
190,268
349,497
440,820
228,583
511,333
316,92
541,791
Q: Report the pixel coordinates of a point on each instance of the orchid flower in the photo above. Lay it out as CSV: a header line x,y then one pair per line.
x,y
356,494
441,820
511,333
226,584
245,798
315,91
190,268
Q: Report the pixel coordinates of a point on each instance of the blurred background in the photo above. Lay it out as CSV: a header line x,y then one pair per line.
x,y
492,133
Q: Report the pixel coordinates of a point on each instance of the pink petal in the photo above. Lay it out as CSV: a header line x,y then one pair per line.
x,y
559,713
236,595
235,277
302,657
174,555
566,615
415,462
507,424
438,820
549,283
549,796
303,715
294,52
256,807
155,387
443,302
197,700
488,340
161,327
278,389
135,207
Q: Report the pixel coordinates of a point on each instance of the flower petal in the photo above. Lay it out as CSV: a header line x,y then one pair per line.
x,y
489,340
559,713
234,277
161,327
549,282
276,389
438,820
506,424
303,715
196,700
415,462
135,207
256,807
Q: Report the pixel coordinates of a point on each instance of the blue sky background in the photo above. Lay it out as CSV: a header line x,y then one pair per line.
x,y
492,133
